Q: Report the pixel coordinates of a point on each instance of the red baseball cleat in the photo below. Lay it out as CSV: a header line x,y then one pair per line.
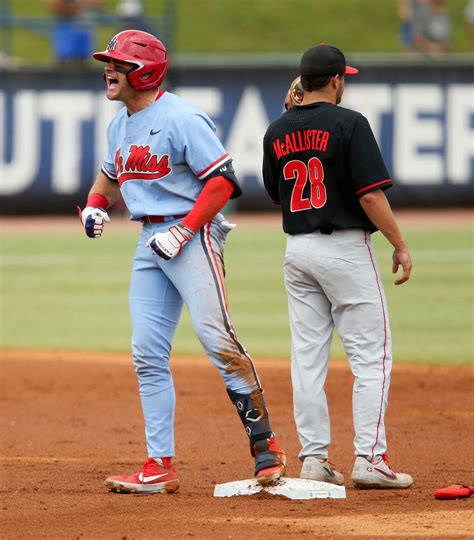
x,y
158,475
270,461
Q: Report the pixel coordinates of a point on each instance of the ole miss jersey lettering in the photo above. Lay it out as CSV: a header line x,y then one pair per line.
x,y
161,157
318,159
141,164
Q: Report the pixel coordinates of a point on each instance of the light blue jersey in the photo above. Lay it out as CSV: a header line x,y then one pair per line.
x,y
161,155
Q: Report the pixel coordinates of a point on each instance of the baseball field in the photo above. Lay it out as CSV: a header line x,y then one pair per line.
x,y
70,411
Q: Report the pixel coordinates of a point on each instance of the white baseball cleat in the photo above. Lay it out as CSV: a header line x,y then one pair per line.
x,y
377,474
320,469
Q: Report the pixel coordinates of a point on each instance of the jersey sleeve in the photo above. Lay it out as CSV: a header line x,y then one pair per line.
x,y
270,175
204,153
108,164
367,169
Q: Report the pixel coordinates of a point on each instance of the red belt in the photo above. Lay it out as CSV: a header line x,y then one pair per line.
x,y
161,219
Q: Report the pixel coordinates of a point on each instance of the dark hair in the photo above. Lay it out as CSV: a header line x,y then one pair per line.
x,y
311,83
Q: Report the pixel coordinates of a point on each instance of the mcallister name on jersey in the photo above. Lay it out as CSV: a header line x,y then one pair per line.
x,y
301,141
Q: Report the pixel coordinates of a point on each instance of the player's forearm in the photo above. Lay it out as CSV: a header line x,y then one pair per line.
x,y
103,186
378,210
212,199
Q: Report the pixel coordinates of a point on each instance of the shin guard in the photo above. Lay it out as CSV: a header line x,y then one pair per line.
x,y
253,414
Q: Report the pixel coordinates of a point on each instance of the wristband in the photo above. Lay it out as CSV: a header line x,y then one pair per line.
x,y
97,200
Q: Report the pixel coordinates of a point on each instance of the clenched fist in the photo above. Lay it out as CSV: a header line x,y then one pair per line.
x,y
93,220
170,243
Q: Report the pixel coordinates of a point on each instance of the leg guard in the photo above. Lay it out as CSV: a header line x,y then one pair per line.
x,y
270,460
254,416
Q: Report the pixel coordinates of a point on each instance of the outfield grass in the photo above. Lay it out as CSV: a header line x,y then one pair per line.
x,y
65,291
247,26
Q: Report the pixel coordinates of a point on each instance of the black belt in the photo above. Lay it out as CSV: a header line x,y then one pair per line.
x,y
160,219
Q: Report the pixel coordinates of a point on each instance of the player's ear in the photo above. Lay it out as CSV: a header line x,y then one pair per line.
x,y
337,81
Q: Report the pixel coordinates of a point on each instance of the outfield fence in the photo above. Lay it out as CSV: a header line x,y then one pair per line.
x,y
53,124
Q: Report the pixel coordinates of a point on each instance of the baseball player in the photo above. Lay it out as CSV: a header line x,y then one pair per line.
x,y
323,166
174,175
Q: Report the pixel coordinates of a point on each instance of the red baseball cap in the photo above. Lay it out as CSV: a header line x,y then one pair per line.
x,y
322,60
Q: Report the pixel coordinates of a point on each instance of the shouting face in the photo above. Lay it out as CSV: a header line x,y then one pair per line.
x,y
115,75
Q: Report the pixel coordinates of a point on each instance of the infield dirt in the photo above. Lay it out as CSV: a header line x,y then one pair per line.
x,y
68,420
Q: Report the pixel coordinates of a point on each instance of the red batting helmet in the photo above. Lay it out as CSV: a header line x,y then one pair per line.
x,y
142,49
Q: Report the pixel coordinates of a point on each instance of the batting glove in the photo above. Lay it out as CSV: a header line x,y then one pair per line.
x,y
169,244
93,220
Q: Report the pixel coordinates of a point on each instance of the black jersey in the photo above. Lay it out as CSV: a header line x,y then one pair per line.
x,y
318,159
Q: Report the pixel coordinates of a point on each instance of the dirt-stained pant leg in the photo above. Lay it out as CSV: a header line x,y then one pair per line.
x,y
157,291
342,268
198,275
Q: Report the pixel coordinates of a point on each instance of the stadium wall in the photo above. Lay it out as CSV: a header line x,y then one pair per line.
x,y
53,125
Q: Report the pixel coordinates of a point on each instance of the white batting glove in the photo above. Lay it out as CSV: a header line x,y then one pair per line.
x,y
169,244
93,220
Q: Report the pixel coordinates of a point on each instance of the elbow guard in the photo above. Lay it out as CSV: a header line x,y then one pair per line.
x,y
227,171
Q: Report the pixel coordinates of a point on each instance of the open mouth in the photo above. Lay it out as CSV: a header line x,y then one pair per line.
x,y
111,81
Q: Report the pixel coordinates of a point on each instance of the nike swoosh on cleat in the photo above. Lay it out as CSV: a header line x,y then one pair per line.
x,y
330,472
147,479
391,475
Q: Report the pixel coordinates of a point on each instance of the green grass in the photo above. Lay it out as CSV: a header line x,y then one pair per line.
x,y
65,291
248,26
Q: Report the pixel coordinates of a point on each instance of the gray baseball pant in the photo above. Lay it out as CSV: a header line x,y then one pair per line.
x,y
334,281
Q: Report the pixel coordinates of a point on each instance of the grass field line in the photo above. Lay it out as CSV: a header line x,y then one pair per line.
x,y
97,357
196,361
431,316
460,255
50,260
423,218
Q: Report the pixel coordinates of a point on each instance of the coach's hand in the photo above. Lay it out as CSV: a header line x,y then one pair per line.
x,y
170,243
401,257
93,220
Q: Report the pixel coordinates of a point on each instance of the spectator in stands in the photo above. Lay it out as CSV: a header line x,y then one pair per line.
x,y
73,33
425,26
132,13
405,17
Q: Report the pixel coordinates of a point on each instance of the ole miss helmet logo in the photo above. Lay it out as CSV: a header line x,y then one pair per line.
x,y
112,44
141,165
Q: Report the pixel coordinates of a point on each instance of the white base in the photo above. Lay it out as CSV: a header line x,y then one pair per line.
x,y
293,488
